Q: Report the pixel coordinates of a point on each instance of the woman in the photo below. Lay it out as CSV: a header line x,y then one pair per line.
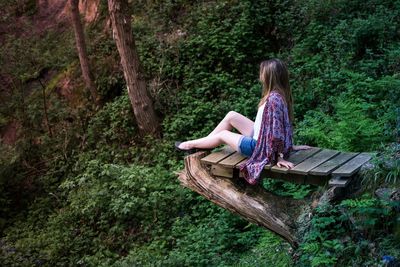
x,y
269,138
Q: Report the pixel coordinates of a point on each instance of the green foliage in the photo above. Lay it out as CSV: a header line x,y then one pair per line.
x,y
321,246
94,193
269,251
372,216
116,205
350,233
350,128
387,168
281,188
214,69
133,211
104,61
113,124
196,243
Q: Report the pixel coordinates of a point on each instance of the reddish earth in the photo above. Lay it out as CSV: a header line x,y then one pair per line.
x,y
49,15
55,13
88,8
9,133
71,90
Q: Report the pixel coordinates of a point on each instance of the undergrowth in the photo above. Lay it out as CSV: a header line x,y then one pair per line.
x,y
89,191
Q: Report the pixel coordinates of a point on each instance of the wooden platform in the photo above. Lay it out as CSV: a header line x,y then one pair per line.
x,y
313,166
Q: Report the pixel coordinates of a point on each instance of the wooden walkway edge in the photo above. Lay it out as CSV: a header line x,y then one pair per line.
x,y
312,166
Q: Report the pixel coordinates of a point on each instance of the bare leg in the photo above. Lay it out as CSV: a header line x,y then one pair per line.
x,y
211,141
235,120
231,120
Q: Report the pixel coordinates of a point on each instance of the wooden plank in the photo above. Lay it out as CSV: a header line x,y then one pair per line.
x,y
353,165
240,163
339,181
327,167
315,179
232,160
293,178
266,167
297,158
313,161
269,166
216,157
218,170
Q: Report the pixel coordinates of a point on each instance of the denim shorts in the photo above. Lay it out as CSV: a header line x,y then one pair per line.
x,y
246,145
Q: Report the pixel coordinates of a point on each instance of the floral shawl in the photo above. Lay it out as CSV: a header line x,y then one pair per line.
x,y
275,137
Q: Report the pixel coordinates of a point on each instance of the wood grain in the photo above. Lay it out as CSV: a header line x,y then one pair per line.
x,y
297,158
329,166
313,161
232,160
216,157
353,165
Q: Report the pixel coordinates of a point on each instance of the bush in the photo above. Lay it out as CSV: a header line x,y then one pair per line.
x,y
351,128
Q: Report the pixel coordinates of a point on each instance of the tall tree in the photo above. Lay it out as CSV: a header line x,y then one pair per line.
x,y
81,47
141,103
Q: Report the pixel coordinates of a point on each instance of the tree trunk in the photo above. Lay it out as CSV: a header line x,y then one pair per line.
x,y
141,103
81,47
253,203
287,217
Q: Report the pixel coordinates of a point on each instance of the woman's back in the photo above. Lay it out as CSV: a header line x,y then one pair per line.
x,y
275,137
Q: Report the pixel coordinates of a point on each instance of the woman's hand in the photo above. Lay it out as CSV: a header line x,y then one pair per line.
x,y
283,163
303,147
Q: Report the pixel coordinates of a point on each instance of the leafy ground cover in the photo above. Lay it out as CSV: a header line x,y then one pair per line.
x,y
93,193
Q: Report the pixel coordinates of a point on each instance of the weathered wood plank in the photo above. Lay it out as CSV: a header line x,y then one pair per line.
x,y
216,157
232,160
266,167
353,165
297,158
218,170
253,203
313,161
293,178
339,181
327,167
315,179
269,166
240,163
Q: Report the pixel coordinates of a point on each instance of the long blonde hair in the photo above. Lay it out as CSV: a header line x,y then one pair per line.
x,y
274,76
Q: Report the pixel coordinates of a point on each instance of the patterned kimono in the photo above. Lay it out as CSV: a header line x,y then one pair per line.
x,y
275,137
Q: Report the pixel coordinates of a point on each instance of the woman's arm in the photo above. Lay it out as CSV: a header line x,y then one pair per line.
x,y
279,113
284,163
287,164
